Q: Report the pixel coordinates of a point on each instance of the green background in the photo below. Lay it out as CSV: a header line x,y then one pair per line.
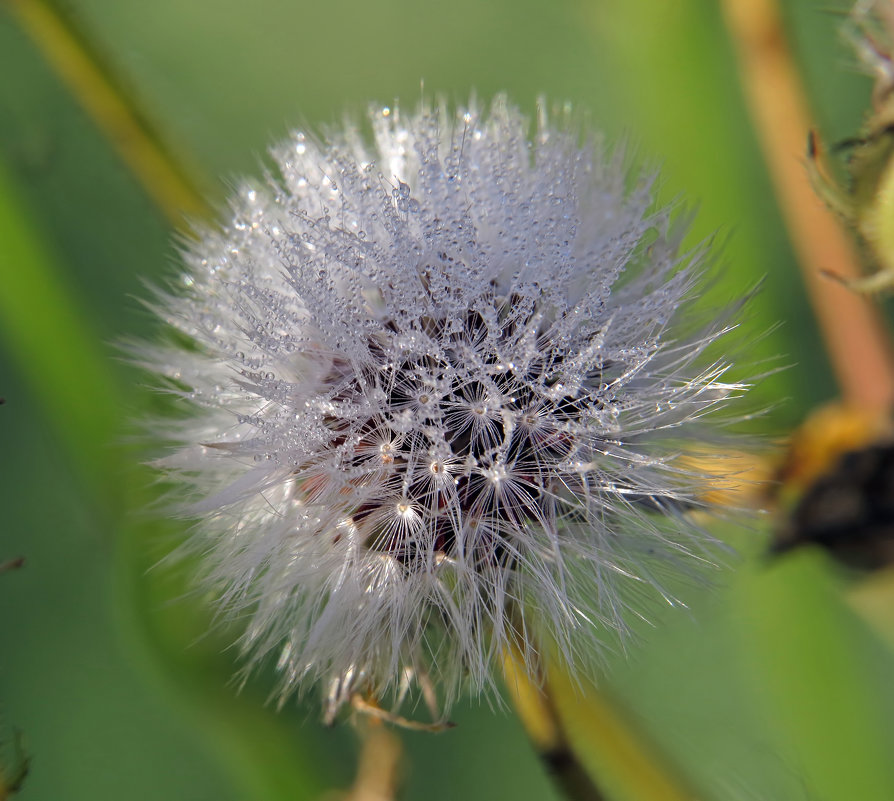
x,y
767,688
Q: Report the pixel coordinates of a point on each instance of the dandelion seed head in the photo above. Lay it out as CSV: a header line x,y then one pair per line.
x,y
436,397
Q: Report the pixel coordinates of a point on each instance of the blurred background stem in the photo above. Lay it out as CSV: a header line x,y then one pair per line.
x,y
379,770
856,340
628,767
112,107
538,715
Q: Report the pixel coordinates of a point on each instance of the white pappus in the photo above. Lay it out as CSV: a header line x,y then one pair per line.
x,y
437,401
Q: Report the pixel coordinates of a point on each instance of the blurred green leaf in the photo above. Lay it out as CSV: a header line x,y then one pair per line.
x,y
54,345
811,662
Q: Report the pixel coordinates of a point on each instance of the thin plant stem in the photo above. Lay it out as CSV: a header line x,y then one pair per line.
x,y
632,768
379,769
857,342
541,721
113,109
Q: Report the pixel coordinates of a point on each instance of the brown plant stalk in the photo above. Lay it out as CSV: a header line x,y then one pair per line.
x,y
856,340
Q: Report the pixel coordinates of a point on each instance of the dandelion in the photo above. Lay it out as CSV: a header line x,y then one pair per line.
x,y
436,401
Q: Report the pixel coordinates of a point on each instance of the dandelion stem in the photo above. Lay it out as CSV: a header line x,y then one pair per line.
x,y
856,340
379,768
541,721
112,108
629,766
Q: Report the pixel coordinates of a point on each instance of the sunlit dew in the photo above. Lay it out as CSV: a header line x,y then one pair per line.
x,y
423,406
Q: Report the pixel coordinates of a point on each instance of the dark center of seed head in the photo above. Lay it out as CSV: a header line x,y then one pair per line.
x,y
484,453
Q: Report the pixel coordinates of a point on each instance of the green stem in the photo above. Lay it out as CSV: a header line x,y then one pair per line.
x,y
627,766
113,109
538,715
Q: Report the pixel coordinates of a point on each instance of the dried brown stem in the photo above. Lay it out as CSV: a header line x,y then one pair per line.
x,y
855,338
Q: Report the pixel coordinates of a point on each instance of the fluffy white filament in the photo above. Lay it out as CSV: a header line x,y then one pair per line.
x,y
435,400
